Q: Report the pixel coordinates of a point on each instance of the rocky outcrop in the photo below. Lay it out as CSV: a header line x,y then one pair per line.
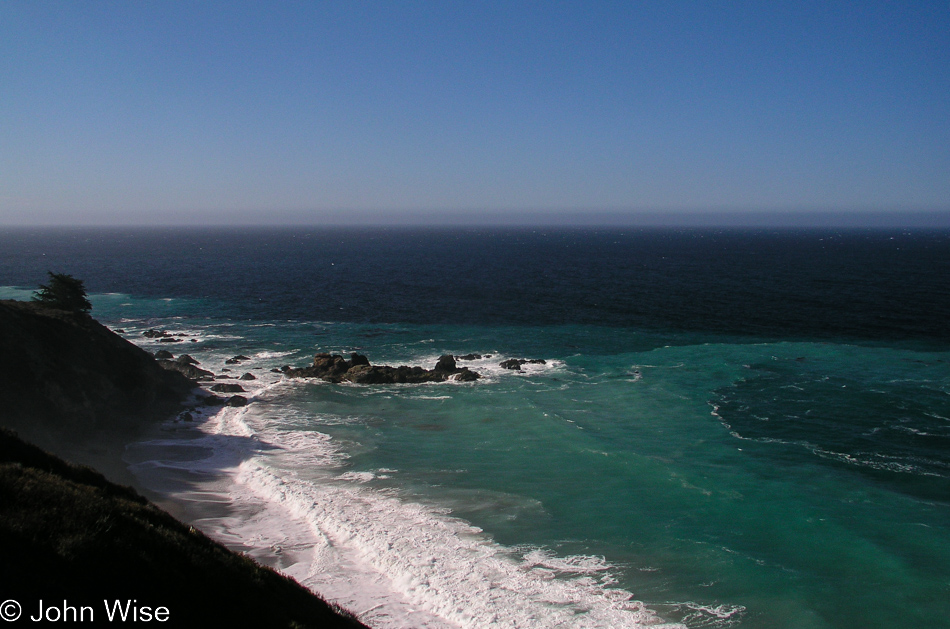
x,y
446,363
515,363
225,387
472,357
163,336
64,372
186,369
335,368
236,400
357,360
66,533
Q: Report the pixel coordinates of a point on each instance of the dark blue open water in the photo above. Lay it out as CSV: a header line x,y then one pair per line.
x,y
738,428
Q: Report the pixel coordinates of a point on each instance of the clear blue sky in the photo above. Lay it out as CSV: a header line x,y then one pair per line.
x,y
155,112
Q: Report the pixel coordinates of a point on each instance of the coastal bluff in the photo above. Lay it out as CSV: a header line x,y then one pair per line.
x,y
73,542
65,375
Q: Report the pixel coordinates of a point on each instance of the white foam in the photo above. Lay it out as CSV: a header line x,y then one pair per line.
x,y
491,368
699,615
271,354
360,477
444,565
576,564
395,563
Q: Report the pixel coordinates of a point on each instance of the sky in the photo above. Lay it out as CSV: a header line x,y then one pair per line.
x,y
333,112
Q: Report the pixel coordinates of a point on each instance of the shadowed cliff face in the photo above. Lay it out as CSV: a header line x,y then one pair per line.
x,y
64,373
72,540
70,535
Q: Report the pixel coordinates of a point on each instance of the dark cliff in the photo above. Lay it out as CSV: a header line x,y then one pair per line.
x,y
69,536
64,373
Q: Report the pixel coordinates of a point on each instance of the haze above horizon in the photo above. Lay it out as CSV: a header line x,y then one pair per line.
x,y
788,113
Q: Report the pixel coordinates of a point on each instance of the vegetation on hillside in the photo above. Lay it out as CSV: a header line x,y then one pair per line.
x,y
64,292
69,534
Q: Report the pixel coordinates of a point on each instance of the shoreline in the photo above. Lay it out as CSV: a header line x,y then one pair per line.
x,y
394,562
76,520
161,485
70,532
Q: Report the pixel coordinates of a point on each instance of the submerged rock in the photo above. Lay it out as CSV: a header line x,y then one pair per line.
x,y
466,375
227,387
248,376
236,400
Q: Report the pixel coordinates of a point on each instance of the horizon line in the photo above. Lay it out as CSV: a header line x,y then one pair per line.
x,y
937,218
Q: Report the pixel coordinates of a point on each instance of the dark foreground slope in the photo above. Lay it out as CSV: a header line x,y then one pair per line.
x,y
70,535
74,540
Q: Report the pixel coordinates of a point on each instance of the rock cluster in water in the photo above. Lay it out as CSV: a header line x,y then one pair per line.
x,y
335,368
515,363
163,336
185,365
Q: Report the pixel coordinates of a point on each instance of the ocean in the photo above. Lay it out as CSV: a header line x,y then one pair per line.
x,y
742,428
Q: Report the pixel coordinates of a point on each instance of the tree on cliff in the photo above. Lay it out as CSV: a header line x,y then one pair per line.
x,y
64,292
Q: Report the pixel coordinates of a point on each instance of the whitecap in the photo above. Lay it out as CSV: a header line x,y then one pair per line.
x,y
394,562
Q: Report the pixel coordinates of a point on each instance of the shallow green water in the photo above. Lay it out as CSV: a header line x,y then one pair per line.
x,y
726,483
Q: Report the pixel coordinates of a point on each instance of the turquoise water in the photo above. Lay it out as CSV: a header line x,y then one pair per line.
x,y
651,452
736,430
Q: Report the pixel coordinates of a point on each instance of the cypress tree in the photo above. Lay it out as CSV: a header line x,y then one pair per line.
x,y
64,292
